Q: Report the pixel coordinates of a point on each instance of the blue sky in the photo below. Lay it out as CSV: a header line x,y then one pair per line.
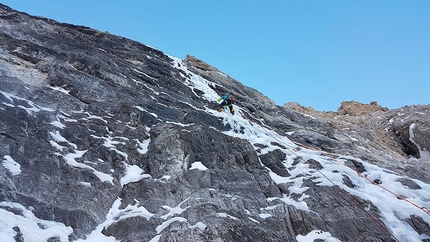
x,y
316,53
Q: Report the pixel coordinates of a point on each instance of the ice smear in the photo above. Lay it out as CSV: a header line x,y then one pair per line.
x,y
424,155
109,142
253,220
196,82
90,116
87,184
67,119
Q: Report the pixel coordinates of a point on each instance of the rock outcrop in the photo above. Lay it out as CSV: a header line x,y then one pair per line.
x,y
105,139
354,108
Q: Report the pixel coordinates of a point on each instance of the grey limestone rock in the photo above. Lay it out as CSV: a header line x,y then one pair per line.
x,y
102,134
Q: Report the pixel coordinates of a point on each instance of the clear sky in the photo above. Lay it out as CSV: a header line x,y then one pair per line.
x,y
316,53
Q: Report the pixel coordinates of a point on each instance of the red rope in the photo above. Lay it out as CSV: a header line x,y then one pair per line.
x,y
360,206
365,177
360,174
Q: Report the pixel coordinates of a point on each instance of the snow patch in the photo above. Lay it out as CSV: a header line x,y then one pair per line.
x,y
199,166
133,174
317,234
31,227
143,146
10,164
199,225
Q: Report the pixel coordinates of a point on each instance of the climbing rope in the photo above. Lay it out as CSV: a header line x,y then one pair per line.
x,y
365,177
359,205
343,164
270,131
343,191
346,194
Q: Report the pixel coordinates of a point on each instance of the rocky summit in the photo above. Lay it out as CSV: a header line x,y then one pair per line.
x,y
103,138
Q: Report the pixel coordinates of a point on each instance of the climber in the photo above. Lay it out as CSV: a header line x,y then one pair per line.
x,y
226,102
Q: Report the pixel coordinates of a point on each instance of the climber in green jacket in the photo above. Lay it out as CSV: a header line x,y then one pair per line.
x,y
226,102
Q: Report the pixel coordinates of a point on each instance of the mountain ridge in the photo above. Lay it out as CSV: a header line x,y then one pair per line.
x,y
106,139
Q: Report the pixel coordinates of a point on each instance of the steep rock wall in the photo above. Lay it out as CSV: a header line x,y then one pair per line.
x,y
103,137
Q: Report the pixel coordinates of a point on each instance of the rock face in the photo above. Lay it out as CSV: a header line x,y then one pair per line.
x,y
395,139
105,139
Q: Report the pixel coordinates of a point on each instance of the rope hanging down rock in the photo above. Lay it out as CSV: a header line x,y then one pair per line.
x,y
343,191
